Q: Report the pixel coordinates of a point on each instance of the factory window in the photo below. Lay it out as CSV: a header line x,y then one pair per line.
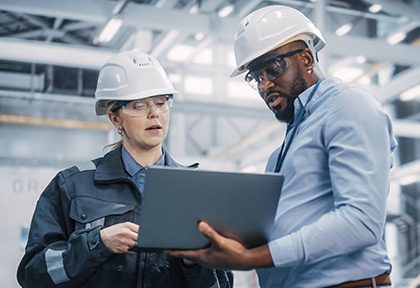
x,y
205,57
240,89
198,85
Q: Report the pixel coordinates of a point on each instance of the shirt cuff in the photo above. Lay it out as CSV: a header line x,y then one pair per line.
x,y
286,251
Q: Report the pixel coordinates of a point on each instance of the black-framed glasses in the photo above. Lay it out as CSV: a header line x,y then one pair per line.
x,y
138,108
272,69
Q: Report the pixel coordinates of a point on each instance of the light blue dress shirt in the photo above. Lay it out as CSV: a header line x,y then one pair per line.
x,y
331,214
135,170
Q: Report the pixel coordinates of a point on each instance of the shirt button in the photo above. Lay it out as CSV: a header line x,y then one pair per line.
x,y
83,216
93,241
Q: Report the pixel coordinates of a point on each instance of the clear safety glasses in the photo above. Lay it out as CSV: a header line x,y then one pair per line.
x,y
268,70
137,108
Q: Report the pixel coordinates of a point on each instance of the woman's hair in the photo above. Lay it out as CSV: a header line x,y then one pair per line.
x,y
114,107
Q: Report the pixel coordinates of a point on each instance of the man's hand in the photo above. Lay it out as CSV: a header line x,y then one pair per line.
x,y
225,253
119,238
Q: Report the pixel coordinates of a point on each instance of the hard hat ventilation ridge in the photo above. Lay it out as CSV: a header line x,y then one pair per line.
x,y
143,63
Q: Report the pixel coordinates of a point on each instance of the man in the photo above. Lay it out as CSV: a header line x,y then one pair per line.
x,y
335,159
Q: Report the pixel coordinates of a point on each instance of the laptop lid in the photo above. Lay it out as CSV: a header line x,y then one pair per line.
x,y
238,205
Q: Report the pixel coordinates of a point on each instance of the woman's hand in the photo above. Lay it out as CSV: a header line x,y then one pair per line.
x,y
120,238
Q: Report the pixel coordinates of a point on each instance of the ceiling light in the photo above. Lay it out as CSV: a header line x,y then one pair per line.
x,y
411,93
199,36
110,29
344,29
375,8
194,9
225,11
396,37
360,59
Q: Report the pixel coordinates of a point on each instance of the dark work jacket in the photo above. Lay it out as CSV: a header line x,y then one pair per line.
x,y
65,249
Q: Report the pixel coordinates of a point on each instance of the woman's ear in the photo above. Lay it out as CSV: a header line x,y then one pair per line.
x,y
115,120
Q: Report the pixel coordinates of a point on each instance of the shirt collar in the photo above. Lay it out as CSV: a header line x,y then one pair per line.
x,y
303,97
132,167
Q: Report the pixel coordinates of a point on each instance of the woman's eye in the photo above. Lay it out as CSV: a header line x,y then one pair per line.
x,y
139,106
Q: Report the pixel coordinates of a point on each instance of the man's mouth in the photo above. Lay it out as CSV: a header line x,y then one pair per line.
x,y
274,100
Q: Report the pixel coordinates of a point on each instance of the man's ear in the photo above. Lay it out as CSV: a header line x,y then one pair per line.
x,y
308,59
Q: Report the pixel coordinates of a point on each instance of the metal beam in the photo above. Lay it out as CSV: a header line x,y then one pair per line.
x,y
406,128
92,11
248,141
403,128
340,10
54,54
223,29
406,170
54,122
398,7
373,49
400,83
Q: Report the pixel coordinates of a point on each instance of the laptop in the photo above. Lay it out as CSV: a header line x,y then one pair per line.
x,y
241,206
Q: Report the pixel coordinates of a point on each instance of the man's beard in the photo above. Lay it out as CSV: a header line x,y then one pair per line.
x,y
288,113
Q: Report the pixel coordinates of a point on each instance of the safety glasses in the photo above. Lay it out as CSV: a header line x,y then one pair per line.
x,y
138,108
268,70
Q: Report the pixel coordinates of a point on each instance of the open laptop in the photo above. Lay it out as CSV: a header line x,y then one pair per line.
x,y
238,205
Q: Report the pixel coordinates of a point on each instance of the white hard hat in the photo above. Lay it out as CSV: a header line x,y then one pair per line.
x,y
270,27
130,75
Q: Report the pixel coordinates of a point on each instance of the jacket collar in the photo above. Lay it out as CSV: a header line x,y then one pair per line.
x,y
110,168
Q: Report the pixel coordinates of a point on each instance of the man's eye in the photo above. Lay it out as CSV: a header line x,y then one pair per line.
x,y
274,70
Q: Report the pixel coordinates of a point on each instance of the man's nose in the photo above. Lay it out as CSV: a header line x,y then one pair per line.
x,y
265,85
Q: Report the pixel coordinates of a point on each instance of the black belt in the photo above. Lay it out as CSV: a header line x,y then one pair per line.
x,y
380,280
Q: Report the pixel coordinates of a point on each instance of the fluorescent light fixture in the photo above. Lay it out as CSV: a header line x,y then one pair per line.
x,y
199,36
411,93
110,29
180,53
396,37
225,11
375,8
344,29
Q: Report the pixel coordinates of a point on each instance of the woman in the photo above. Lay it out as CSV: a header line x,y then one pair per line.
x,y
83,229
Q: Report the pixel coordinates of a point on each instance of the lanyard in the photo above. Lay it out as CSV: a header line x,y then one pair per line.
x,y
299,119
